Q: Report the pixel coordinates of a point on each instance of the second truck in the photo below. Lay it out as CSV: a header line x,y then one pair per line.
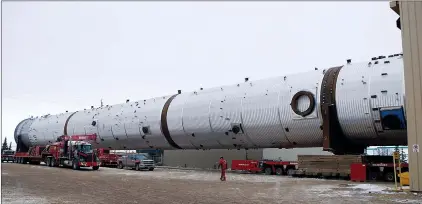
x,y
68,151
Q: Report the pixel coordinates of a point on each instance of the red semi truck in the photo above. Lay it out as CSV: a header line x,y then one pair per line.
x,y
69,151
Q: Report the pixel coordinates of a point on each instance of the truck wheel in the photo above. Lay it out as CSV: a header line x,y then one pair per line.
x,y
373,176
151,169
48,163
53,162
268,171
290,172
120,166
389,176
96,167
279,171
137,167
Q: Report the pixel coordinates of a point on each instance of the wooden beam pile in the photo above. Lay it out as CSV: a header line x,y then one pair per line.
x,y
327,164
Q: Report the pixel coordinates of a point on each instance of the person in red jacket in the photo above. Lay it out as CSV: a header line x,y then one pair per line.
x,y
223,165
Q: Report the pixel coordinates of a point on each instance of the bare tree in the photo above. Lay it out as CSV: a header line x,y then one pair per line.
x,y
384,151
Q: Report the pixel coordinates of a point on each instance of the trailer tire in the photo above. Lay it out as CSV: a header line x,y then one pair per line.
x,y
268,171
389,176
373,176
279,171
290,172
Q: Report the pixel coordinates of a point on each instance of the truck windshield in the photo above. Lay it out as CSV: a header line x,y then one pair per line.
x,y
9,152
141,157
86,148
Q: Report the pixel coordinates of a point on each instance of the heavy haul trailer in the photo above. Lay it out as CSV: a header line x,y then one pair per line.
x,y
264,166
69,151
353,167
107,159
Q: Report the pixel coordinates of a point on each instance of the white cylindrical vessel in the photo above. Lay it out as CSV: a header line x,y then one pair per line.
x,y
356,104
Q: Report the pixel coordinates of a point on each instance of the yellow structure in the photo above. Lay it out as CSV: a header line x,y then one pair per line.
x,y
404,179
410,23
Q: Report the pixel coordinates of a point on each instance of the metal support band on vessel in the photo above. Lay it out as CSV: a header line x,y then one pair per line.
x,y
164,126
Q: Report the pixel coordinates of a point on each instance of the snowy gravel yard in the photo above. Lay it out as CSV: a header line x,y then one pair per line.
x,y
41,185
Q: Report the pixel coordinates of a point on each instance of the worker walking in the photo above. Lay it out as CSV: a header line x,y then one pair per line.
x,y
223,165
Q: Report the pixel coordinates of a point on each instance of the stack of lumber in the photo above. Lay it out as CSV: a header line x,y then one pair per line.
x,y
327,163
344,162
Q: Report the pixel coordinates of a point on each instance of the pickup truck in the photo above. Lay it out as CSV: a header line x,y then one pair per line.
x,y
136,161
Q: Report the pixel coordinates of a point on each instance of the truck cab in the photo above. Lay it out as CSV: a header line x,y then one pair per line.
x,y
82,153
7,155
72,153
136,161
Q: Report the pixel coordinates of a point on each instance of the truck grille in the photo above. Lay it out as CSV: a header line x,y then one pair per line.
x,y
148,163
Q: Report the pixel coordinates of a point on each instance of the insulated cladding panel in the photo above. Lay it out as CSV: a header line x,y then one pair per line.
x,y
226,112
301,131
175,122
105,119
364,88
46,129
196,120
260,112
149,114
386,90
23,130
353,101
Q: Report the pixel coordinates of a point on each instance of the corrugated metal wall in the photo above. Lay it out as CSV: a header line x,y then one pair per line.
x,y
291,154
411,27
207,158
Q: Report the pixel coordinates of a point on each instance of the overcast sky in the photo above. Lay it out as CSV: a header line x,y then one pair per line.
x,y
60,56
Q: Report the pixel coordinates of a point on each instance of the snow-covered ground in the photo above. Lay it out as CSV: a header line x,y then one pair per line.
x,y
34,184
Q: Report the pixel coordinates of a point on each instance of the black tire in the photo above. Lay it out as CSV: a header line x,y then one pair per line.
x,y
95,168
279,171
151,169
389,176
48,163
53,162
268,171
373,176
137,167
120,166
290,172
